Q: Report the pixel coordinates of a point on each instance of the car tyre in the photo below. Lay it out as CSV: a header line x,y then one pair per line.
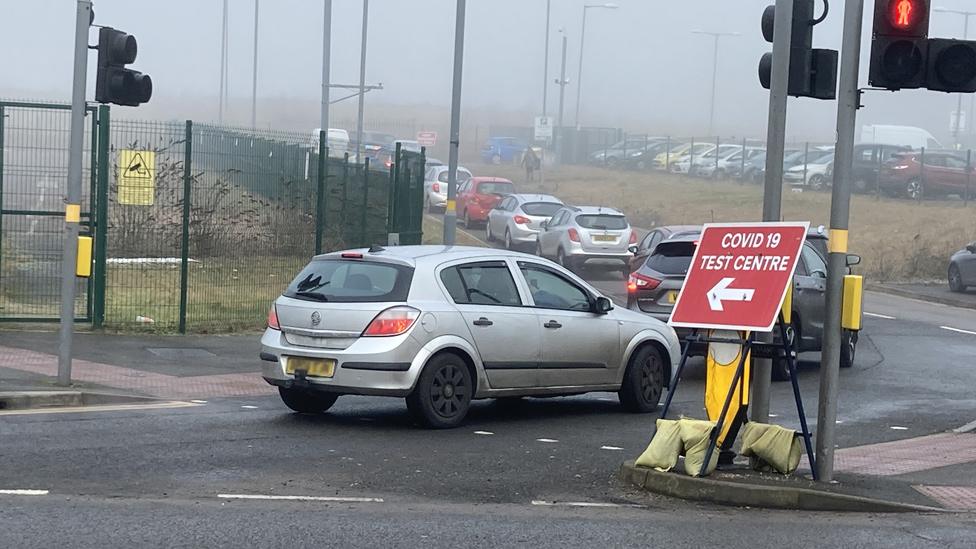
x,y
914,189
781,367
496,159
719,174
848,348
860,186
563,260
538,249
307,402
488,236
643,381
641,165
442,397
817,183
955,279
466,220
508,240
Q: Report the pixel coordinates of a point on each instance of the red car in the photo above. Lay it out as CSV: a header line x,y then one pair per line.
x,y
478,196
945,173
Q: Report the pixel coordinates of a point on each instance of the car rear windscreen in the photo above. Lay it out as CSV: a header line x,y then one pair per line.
x,y
351,281
496,187
462,176
672,258
602,222
541,209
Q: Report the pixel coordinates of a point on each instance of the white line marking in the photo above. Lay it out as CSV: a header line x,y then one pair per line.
x,y
611,448
23,492
249,407
967,428
877,315
486,433
199,401
898,428
544,503
333,499
100,408
602,399
546,440
773,415
957,330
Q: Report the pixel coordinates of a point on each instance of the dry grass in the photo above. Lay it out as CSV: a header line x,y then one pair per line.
x,y
899,240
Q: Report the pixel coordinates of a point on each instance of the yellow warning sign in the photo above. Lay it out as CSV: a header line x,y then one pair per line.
x,y
137,177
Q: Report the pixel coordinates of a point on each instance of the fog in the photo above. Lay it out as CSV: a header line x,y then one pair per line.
x,y
644,69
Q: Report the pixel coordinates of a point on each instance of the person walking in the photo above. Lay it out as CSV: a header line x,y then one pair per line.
x,y
531,163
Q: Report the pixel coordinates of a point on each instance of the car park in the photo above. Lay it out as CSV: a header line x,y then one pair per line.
x,y
868,159
812,175
654,237
435,186
731,164
962,268
518,218
442,326
643,158
478,196
579,234
756,168
716,163
944,173
618,153
503,149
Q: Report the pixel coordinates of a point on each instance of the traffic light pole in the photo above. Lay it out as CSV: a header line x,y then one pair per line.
x,y
72,208
450,212
773,191
840,204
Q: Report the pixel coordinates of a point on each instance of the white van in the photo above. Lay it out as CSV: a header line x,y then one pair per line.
x,y
337,141
905,136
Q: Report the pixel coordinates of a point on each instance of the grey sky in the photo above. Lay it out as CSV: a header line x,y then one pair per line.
x,y
644,70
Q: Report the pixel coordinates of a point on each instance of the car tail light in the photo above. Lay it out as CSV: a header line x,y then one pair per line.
x,y
641,282
436,187
273,318
392,322
522,220
352,255
573,234
633,237
900,167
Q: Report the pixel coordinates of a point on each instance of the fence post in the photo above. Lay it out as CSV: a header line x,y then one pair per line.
x,y
418,223
877,178
99,280
667,155
742,168
391,195
921,178
3,118
806,162
320,191
345,198
185,244
718,143
364,231
691,157
969,175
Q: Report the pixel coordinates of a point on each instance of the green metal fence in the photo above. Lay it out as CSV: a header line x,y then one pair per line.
x,y
199,227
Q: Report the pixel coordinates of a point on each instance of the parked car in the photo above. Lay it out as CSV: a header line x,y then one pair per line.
x,y
503,149
812,175
706,164
435,186
731,164
478,196
868,159
337,142
683,162
643,158
945,173
518,218
617,153
678,152
373,144
962,268
578,234
756,168
650,241
442,326
653,289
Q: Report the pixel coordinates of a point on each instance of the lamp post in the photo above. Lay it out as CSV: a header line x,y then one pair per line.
x,y
965,35
579,72
716,36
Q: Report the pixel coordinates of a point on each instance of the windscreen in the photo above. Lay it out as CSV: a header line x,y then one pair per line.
x,y
496,187
602,222
672,258
351,281
541,209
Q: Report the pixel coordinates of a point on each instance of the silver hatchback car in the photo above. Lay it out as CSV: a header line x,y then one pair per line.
x,y
435,186
577,234
518,218
442,326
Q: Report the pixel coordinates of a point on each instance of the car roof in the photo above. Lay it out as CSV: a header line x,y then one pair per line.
x,y
485,179
522,198
680,238
415,255
676,229
595,210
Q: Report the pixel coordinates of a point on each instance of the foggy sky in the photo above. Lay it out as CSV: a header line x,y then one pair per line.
x,y
644,69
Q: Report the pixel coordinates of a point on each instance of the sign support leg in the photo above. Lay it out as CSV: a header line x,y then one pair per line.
x,y
791,362
677,375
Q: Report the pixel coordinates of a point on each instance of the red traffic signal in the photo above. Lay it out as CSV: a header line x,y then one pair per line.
x,y
907,15
899,48
115,83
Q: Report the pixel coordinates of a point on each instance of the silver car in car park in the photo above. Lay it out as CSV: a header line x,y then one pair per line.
x,y
518,218
442,326
435,186
577,234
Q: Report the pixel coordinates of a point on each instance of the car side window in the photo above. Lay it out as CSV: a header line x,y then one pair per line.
x,y
553,291
867,156
955,163
814,263
658,237
646,242
482,283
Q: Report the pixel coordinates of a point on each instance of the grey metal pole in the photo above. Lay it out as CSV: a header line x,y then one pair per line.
x,y
450,213
72,211
711,112
223,64
362,86
773,190
958,129
326,70
254,71
840,205
579,72
545,70
562,97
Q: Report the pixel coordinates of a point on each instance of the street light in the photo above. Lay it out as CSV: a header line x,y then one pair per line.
x,y
972,101
579,73
716,36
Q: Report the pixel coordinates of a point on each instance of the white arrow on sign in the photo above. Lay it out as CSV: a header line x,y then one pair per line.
x,y
721,292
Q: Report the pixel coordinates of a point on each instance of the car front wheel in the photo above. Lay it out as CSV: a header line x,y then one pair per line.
x,y
643,381
817,182
955,279
914,189
443,393
848,348
307,402
781,366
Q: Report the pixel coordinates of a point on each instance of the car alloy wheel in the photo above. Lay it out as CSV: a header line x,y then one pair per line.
x,y
466,220
488,236
860,186
508,239
538,249
643,381
848,349
817,182
561,258
955,279
443,393
914,189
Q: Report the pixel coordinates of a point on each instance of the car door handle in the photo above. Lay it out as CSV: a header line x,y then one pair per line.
x,y
552,324
483,322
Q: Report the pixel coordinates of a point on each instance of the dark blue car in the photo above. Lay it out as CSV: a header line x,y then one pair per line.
x,y
502,149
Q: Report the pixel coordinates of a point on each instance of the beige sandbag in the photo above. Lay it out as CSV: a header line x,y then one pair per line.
x,y
775,447
662,453
695,439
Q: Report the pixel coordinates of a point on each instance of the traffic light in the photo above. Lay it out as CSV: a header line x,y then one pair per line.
x,y
899,48
813,72
952,65
114,82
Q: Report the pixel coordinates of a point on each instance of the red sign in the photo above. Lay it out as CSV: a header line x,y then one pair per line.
x,y
427,139
739,276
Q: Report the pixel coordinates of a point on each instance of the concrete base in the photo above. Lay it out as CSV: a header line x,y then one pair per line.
x,y
33,399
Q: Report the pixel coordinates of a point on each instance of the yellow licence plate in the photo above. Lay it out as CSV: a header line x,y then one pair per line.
x,y
314,367
604,238
672,297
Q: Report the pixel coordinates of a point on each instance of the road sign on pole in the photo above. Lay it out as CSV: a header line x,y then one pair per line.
x,y
427,138
957,122
739,276
543,128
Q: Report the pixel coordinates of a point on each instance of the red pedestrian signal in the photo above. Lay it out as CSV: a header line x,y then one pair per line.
x,y
903,13
899,48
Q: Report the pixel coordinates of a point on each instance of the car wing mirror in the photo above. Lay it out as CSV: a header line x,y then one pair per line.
x,y
971,247
633,249
545,225
603,305
853,259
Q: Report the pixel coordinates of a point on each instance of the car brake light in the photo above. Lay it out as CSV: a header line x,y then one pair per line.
x,y
573,234
521,220
436,187
641,282
392,322
273,318
900,167
633,237
352,255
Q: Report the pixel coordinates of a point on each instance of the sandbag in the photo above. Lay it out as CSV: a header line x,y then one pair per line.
x,y
662,453
695,440
775,447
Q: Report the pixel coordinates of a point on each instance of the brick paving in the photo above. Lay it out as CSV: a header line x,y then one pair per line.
x,y
961,498
130,379
907,456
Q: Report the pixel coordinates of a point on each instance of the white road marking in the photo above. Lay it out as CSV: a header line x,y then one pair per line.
x,y
332,499
611,448
967,428
898,428
547,440
773,415
486,433
957,330
100,408
23,492
249,407
199,401
544,503
603,399
877,315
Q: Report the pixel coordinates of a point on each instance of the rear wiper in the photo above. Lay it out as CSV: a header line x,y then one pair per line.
x,y
316,296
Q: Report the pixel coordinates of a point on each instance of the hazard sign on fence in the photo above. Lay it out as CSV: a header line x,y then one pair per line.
x,y
137,177
739,276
